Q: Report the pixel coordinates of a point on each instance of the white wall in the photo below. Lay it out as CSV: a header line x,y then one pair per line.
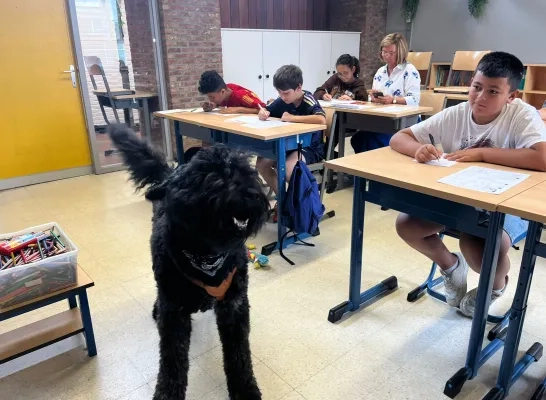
x,y
515,26
98,38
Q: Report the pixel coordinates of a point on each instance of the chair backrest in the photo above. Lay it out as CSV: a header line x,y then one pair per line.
x,y
94,68
465,61
434,100
420,59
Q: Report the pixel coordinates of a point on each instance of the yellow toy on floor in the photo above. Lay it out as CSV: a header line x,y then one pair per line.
x,y
257,259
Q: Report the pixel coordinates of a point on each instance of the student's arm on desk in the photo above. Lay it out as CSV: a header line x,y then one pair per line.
x,y
239,110
533,158
405,142
304,119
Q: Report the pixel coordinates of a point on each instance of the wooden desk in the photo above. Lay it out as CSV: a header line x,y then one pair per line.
x,y
377,118
217,121
50,330
395,181
452,89
139,99
271,143
388,166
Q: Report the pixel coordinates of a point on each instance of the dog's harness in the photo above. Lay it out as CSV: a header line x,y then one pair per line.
x,y
218,292
209,265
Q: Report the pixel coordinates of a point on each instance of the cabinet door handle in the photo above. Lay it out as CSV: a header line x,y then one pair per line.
x,y
267,76
328,73
259,77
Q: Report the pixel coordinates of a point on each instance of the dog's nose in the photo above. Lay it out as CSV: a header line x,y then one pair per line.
x,y
240,223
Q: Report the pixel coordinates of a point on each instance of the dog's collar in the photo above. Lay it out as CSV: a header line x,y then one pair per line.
x,y
209,265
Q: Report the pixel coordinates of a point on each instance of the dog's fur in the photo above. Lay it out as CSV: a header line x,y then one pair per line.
x,y
201,209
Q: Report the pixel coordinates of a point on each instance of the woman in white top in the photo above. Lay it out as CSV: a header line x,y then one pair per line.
x,y
396,82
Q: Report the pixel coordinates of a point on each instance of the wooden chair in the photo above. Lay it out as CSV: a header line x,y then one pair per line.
x,y
421,60
464,61
434,100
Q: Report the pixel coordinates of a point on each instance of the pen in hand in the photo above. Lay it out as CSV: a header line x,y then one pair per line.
x,y
434,144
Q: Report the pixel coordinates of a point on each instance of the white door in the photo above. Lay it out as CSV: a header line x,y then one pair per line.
x,y
315,58
279,48
242,59
345,43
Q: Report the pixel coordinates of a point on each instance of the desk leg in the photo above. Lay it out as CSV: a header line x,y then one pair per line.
x,y
281,186
87,324
179,143
476,357
72,302
356,299
341,149
147,121
326,173
509,372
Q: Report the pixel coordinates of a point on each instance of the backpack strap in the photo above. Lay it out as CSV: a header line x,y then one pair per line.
x,y
295,242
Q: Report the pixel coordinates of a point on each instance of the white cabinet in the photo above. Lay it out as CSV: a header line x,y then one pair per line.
x,y
278,50
240,61
344,43
315,58
251,57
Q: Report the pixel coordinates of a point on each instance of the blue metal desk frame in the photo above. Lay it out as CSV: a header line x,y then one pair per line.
x,y
451,214
273,149
510,370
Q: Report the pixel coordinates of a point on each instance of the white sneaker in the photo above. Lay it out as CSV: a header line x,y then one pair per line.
x,y
455,282
468,303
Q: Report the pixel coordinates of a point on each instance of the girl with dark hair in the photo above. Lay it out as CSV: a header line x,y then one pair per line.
x,y
345,83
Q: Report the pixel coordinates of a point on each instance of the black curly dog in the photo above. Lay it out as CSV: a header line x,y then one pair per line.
x,y
203,212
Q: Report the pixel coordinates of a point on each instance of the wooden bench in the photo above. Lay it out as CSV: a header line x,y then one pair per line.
x,y
37,335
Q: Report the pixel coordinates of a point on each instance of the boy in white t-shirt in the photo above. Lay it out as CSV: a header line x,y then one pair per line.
x,y
494,126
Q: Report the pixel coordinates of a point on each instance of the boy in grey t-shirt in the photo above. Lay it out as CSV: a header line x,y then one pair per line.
x,y
494,126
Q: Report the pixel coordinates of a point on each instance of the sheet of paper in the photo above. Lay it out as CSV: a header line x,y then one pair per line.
x,y
441,163
485,180
244,119
195,110
257,124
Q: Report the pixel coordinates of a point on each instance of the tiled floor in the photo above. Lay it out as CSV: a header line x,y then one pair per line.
x,y
390,350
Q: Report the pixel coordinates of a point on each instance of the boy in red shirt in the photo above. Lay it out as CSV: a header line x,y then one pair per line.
x,y
231,98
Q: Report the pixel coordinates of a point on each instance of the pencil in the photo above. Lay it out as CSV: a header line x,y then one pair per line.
x,y
434,144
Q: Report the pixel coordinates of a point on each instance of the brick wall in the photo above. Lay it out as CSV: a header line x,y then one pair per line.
x,y
368,17
191,44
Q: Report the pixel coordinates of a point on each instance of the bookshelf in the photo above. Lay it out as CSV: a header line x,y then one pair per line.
x,y
534,90
438,74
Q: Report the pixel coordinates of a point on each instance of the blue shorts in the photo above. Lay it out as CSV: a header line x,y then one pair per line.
x,y
515,228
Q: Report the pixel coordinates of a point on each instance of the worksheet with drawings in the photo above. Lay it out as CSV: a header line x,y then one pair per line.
x,y
485,180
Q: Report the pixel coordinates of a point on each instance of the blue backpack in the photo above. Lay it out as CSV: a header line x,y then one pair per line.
x,y
302,209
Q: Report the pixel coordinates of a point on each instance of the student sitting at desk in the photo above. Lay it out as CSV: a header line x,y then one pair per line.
x,y
233,98
493,126
293,105
397,82
345,83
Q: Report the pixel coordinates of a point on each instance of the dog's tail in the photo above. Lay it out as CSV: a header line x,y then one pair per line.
x,y
147,166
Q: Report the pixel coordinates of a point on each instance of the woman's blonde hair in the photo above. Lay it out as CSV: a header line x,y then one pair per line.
x,y
401,46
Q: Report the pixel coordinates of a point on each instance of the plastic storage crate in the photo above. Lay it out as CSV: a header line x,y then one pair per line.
x,y
38,278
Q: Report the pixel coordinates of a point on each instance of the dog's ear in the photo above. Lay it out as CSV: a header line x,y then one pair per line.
x,y
156,193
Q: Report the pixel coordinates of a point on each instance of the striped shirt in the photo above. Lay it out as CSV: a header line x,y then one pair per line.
x,y
308,106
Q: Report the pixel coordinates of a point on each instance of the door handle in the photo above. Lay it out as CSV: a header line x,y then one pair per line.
x,y
72,72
